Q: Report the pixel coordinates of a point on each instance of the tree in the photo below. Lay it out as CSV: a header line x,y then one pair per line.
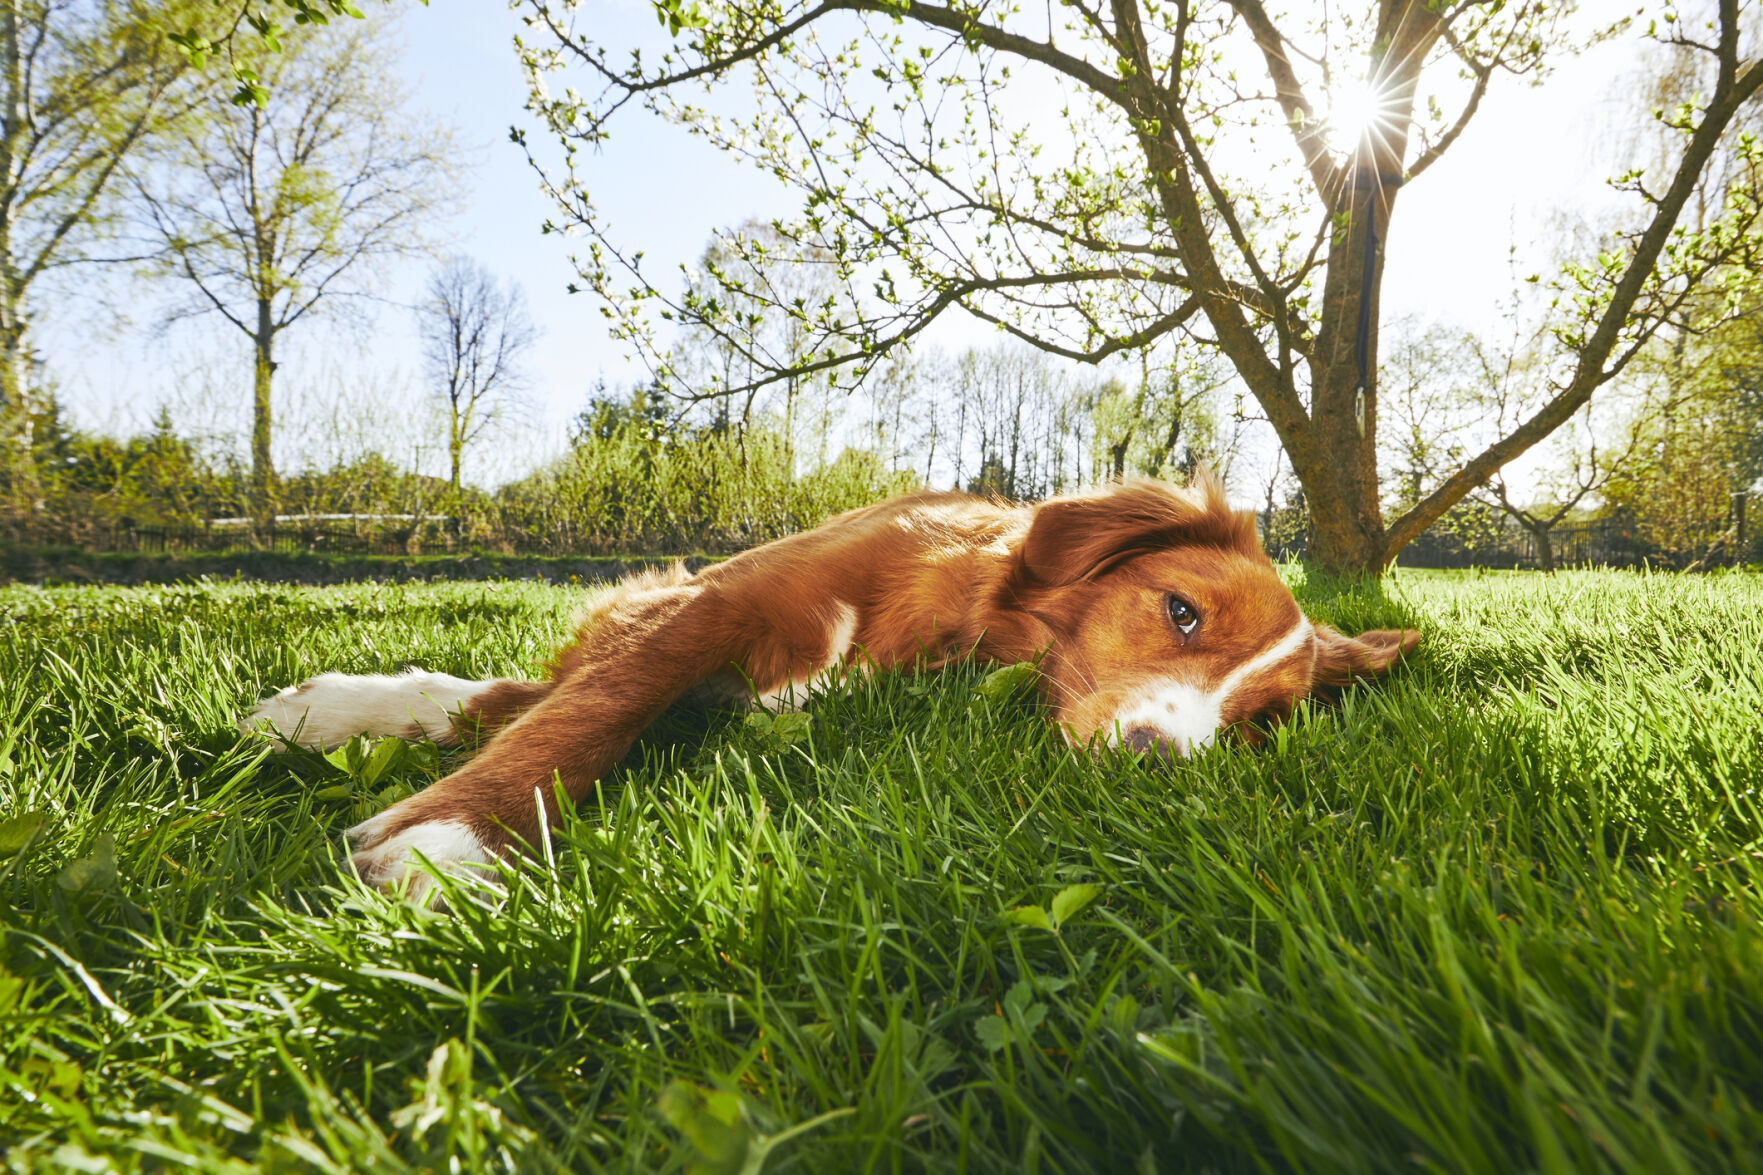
x,y
83,84
243,31
271,212
740,310
1701,452
1154,202
475,336
1164,423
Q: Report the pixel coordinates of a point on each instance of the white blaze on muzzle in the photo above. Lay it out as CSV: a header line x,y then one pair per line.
x,y
1185,717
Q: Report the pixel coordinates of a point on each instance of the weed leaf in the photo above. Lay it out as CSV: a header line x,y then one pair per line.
x,y
1070,901
1028,916
1000,685
19,831
993,1032
712,1122
91,873
791,727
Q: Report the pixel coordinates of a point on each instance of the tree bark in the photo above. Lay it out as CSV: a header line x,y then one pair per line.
x,y
262,467
1545,549
455,449
1336,461
15,417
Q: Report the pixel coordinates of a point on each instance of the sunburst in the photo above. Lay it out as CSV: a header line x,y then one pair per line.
x,y
1355,111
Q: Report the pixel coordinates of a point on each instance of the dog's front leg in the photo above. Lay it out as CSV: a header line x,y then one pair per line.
x,y
626,668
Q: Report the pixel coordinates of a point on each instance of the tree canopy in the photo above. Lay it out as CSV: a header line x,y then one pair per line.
x,y
1097,176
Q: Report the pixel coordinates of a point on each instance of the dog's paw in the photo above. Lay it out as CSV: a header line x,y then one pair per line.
x,y
334,707
382,848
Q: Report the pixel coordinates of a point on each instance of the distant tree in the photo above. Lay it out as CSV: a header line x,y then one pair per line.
x,y
1433,409
476,333
644,413
1162,423
1581,459
1584,467
83,84
747,317
1701,451
271,212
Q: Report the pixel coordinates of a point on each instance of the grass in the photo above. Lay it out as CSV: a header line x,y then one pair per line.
x,y
1501,913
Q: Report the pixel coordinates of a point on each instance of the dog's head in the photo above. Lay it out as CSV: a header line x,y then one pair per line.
x,y
1168,623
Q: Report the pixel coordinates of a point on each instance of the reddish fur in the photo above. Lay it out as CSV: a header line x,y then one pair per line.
x,y
932,577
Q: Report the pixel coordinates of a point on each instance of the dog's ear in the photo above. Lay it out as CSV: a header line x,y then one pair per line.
x,y
1082,535
1341,660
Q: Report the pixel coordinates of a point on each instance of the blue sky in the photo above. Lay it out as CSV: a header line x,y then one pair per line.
x,y
1527,153
656,183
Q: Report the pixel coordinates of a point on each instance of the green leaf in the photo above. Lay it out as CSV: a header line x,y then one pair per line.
x,y
385,755
94,872
341,791
1028,916
345,757
391,795
43,1074
712,1122
993,1032
19,831
1071,901
1000,685
791,727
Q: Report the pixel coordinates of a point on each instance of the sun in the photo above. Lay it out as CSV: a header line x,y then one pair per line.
x,y
1353,110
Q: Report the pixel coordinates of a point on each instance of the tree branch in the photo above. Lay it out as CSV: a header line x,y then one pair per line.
x,y
1590,372
1306,128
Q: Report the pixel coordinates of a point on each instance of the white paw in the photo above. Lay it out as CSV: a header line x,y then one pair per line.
x,y
334,707
386,861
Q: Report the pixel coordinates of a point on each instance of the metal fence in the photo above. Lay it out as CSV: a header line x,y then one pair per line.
x,y
1505,545
331,534
1600,543
1501,543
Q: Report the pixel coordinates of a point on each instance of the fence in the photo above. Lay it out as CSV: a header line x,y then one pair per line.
x,y
1505,545
341,534
1601,543
1611,542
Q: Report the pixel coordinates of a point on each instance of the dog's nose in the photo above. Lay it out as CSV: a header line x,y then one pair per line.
x,y
1145,740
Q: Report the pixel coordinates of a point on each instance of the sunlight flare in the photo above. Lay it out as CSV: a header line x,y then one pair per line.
x,y
1354,110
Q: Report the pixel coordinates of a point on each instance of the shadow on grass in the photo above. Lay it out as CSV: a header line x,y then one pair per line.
x,y
1350,603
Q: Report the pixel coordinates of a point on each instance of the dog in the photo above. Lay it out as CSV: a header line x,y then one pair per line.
x,y
1156,620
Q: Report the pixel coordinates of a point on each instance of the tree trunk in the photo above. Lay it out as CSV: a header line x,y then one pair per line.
x,y
15,418
15,414
1332,441
455,449
262,468
1338,463
1545,550
1117,458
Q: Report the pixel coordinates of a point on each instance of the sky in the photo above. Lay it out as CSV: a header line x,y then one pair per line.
x,y
1528,152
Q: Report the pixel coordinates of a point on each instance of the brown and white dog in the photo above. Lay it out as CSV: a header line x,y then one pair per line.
x,y
1157,621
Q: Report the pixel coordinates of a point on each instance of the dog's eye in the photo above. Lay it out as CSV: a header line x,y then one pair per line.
x,y
1182,615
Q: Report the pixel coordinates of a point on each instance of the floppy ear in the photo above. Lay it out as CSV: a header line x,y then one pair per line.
x,y
1341,660
1083,535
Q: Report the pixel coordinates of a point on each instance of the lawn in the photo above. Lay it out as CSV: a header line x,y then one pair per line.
x,y
1501,913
